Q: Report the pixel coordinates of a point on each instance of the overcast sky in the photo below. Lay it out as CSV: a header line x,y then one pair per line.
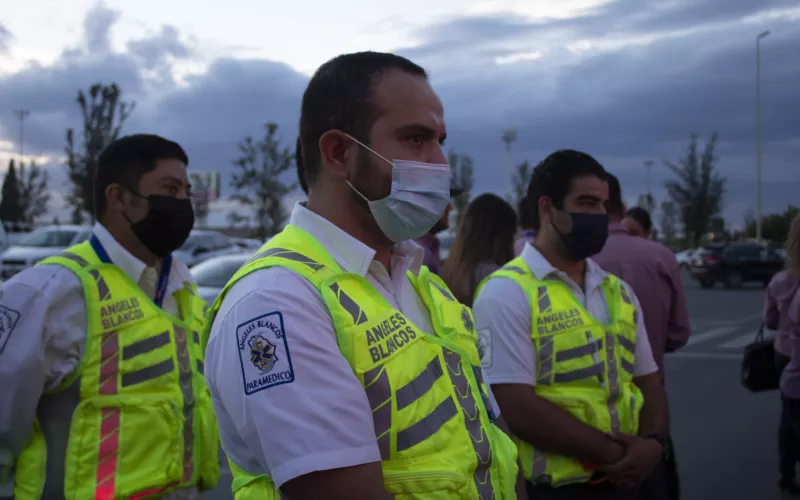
x,y
624,80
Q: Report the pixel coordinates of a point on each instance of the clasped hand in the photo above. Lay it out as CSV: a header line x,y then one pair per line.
x,y
641,458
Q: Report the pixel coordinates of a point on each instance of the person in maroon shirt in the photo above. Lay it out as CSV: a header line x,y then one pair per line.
x,y
652,271
430,242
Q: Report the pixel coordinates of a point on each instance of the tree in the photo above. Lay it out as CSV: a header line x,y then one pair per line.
x,y
698,189
520,181
668,221
33,192
104,113
774,227
461,165
11,207
258,183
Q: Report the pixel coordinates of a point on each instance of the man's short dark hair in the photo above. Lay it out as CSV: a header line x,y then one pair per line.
x,y
127,159
339,97
615,205
553,177
642,216
527,218
301,169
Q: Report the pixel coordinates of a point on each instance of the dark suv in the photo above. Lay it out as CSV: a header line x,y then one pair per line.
x,y
734,264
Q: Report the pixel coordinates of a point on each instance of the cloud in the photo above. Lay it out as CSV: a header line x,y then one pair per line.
x,y
624,80
5,38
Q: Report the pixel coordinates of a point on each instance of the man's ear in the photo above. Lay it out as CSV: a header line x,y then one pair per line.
x,y
114,194
336,148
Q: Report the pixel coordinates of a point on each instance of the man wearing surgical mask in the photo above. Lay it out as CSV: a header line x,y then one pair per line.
x,y
340,367
101,356
565,348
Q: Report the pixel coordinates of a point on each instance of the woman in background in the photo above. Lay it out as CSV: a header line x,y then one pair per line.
x,y
638,222
484,242
782,316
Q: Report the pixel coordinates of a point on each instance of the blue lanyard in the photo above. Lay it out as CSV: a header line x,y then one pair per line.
x,y
163,279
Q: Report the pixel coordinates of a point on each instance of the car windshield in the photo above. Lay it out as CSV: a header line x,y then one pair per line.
x,y
193,240
48,237
216,273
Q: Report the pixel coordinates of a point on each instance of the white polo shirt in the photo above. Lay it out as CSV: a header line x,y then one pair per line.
x,y
313,414
503,319
44,345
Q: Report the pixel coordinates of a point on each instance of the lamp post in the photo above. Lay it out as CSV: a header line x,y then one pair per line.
x,y
758,134
21,115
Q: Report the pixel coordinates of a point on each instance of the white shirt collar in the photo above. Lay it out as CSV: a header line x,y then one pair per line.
x,y
352,255
119,256
542,269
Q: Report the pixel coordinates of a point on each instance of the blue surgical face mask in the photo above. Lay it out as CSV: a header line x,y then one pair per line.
x,y
419,196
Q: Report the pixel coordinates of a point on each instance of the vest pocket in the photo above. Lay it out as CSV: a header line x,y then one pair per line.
x,y
124,446
422,484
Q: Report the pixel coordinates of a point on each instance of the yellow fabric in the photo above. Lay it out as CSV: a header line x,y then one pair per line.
x,y
584,366
144,423
387,352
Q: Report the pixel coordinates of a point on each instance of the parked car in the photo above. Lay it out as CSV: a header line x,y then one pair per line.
x,y
248,243
213,274
684,258
38,245
203,245
734,264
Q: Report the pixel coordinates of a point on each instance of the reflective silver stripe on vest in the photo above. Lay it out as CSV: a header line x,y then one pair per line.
x,y
146,345
543,299
423,429
627,344
349,305
149,373
539,468
626,365
379,391
420,385
614,390
187,391
288,255
580,351
345,300
472,421
513,269
545,365
626,297
583,373
102,288
447,294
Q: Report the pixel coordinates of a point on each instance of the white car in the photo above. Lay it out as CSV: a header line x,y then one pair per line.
x,y
203,245
684,258
38,245
212,275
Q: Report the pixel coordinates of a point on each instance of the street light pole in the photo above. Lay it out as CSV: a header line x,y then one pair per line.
x,y
21,115
758,134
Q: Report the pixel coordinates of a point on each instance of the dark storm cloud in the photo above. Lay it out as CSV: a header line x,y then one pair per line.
x,y
97,28
155,51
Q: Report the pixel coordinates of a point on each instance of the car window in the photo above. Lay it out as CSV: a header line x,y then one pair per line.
x,y
83,236
216,273
743,251
47,237
221,241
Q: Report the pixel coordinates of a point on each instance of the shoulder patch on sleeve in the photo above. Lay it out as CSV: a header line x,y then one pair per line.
x,y
485,347
264,353
8,321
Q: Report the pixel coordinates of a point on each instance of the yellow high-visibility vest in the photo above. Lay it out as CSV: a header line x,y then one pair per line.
x,y
583,366
135,420
430,406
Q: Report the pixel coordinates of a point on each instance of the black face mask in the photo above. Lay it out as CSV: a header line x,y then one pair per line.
x,y
588,236
167,224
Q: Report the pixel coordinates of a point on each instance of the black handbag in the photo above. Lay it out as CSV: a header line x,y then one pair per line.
x,y
759,372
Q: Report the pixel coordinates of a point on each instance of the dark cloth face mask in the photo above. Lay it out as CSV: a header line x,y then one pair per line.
x,y
167,224
587,237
